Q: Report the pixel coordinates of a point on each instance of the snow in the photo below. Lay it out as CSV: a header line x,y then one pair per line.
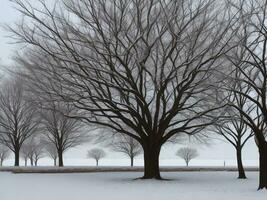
x,y
121,186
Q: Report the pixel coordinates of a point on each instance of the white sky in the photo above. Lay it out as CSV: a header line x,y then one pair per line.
x,y
219,150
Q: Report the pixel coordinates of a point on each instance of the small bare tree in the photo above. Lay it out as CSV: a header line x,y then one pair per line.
x,y
25,153
38,152
128,146
4,154
187,154
18,119
96,154
61,130
32,149
51,151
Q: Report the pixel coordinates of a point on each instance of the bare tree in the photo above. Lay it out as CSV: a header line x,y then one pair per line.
x,y
51,151
32,149
128,146
38,152
187,154
143,65
96,154
61,130
25,153
18,119
232,125
4,154
249,58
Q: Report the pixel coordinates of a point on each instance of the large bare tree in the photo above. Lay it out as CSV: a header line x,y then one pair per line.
x,y
18,119
143,65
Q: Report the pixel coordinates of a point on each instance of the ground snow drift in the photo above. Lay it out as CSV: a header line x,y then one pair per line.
x,y
122,186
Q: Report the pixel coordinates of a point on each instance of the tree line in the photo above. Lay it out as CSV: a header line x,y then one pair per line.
x,y
149,70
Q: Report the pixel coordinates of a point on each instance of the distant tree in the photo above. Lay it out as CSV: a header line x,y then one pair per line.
x,y
32,149
61,130
18,119
51,151
25,153
4,154
38,152
96,154
128,146
187,154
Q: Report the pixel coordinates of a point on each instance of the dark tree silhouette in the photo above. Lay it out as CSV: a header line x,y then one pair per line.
x,y
187,154
96,154
143,65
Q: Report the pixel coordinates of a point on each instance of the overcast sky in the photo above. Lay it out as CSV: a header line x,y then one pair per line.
x,y
218,150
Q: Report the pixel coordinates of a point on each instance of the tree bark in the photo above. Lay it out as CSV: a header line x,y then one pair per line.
x,y
55,162
263,166
60,158
96,162
151,163
35,163
16,157
25,161
241,171
1,162
132,161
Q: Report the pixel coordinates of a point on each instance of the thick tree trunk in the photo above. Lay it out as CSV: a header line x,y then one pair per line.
x,y
60,158
1,162
263,166
132,161
16,158
35,163
241,171
151,162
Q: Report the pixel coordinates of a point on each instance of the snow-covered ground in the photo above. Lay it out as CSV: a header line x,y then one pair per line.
x,y
122,186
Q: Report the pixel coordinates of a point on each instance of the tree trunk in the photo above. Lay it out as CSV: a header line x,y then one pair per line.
x,y
60,158
55,162
263,166
25,161
31,159
241,171
35,163
187,163
16,158
96,162
151,163
132,161
1,162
